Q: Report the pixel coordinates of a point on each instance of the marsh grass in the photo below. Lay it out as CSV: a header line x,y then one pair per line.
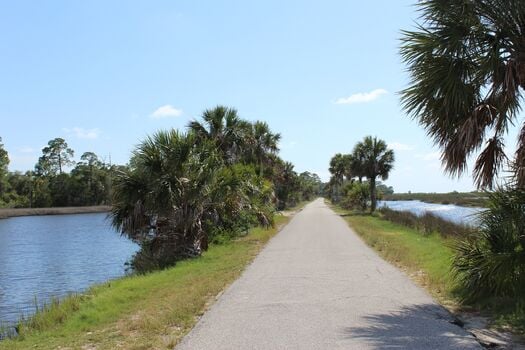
x,y
427,223
151,311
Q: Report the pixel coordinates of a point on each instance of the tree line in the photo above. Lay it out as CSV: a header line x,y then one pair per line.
x,y
89,182
354,176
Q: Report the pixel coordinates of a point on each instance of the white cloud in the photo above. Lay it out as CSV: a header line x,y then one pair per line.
x,y
82,133
397,146
26,149
431,156
167,111
361,97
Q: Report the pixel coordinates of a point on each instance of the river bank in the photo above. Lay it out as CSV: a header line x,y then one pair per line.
x,y
60,254
14,212
154,310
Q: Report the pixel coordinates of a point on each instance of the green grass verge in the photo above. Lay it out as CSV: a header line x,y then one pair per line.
x,y
152,311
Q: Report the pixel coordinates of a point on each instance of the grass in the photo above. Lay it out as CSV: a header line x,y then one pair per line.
x,y
152,311
467,199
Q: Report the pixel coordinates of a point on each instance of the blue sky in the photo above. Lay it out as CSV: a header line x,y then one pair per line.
x,y
104,74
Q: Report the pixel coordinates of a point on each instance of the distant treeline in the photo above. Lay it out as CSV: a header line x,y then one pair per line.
x,y
88,183
467,199
59,181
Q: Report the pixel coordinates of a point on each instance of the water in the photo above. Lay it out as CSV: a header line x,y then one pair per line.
x,y
450,212
51,256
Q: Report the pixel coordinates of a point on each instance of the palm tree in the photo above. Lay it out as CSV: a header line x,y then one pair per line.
x,y
356,162
286,185
225,129
178,192
377,161
467,67
263,143
160,203
338,168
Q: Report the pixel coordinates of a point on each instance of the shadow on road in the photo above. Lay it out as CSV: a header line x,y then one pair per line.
x,y
416,327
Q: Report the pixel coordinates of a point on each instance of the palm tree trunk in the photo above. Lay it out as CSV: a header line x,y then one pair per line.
x,y
373,197
261,169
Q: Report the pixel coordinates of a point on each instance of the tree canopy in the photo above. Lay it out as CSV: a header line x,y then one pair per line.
x,y
467,66
370,159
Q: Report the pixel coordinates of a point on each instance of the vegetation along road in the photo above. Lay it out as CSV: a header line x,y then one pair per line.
x,y
318,286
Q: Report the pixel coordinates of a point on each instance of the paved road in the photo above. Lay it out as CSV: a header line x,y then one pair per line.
x,y
318,286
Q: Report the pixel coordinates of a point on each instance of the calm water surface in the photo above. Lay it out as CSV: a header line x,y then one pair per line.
x,y
50,256
450,212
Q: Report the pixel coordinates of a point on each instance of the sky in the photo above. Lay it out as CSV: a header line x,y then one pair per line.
x,y
105,74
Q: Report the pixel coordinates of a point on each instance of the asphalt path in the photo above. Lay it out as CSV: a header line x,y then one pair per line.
x,y
316,285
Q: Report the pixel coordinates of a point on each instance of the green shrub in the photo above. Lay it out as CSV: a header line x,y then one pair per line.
x,y
491,262
356,196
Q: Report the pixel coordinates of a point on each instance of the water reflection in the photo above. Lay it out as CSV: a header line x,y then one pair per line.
x,y
50,256
450,212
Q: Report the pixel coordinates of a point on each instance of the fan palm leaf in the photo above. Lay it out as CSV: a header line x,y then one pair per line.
x,y
467,66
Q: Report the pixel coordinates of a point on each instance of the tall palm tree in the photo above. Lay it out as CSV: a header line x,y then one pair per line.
x,y
467,67
263,144
377,161
356,162
348,161
225,129
338,169
286,184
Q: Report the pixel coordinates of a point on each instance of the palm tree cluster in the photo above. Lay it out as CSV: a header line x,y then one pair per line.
x,y
184,190
467,67
370,159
